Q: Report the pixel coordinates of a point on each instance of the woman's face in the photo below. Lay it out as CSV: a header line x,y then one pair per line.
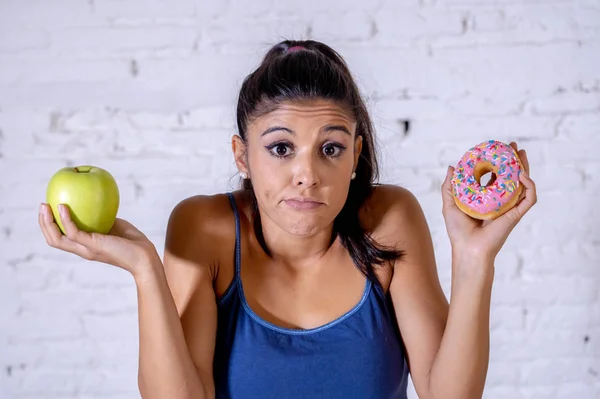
x,y
300,159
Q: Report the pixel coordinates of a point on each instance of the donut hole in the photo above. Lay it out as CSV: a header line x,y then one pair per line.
x,y
487,179
485,174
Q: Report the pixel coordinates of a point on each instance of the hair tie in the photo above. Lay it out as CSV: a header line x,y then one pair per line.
x,y
296,48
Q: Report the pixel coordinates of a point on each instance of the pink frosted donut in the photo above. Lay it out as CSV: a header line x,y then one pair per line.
x,y
502,191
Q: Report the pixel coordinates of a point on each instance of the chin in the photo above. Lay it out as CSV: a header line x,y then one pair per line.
x,y
303,231
306,226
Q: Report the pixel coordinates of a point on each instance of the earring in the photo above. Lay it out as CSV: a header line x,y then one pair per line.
x,y
353,175
244,175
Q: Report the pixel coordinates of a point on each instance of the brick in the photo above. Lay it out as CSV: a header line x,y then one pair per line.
x,y
350,26
474,65
537,372
577,389
502,374
507,318
40,14
248,33
116,327
531,22
580,128
152,10
22,40
63,70
212,117
124,39
310,7
109,301
561,317
38,274
486,3
501,392
97,275
59,381
404,26
34,326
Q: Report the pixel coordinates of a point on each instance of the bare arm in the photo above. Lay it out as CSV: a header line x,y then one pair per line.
x,y
447,344
461,364
166,369
178,312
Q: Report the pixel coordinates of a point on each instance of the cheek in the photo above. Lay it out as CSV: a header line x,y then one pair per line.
x,y
267,175
339,194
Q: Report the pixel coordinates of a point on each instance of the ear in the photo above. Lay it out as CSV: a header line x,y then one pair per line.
x,y
239,153
357,149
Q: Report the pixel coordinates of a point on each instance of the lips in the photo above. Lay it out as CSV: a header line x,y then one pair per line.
x,y
303,203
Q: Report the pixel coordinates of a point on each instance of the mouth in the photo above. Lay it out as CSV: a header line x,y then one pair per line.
x,y
303,203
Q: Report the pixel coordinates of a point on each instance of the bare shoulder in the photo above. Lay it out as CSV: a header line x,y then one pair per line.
x,y
209,215
202,220
200,230
390,213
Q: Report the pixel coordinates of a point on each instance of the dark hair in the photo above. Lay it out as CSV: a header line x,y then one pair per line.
x,y
318,72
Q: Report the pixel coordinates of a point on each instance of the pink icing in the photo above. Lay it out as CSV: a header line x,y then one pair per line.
x,y
488,198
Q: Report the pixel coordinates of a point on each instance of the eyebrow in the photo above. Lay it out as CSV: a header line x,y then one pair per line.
x,y
325,129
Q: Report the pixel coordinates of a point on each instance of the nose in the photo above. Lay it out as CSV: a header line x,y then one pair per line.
x,y
305,171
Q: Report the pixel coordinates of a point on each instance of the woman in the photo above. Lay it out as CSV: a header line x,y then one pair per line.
x,y
311,281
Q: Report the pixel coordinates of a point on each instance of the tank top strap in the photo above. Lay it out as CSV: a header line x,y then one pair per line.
x,y
378,287
385,297
237,255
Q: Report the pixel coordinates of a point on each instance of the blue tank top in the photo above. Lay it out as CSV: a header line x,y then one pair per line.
x,y
358,355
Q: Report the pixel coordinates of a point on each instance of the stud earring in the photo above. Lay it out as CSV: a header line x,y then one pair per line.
x,y
353,175
244,175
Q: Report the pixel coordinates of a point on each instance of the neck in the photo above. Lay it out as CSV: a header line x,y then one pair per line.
x,y
297,252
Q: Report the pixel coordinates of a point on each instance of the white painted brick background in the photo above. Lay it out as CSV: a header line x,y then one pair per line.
x,y
147,90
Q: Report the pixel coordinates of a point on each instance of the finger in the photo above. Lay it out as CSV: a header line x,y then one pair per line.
x,y
42,224
447,197
123,228
514,145
524,160
523,206
90,241
49,227
530,194
54,236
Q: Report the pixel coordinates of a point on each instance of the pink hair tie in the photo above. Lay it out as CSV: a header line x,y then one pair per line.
x,y
296,48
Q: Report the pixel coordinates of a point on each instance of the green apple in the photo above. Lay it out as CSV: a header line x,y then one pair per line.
x,y
91,193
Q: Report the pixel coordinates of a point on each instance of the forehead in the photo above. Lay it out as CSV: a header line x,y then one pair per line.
x,y
308,111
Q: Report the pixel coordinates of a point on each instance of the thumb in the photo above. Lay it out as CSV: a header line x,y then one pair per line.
x,y
122,228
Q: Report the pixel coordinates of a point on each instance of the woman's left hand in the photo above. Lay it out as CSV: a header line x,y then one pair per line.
x,y
483,239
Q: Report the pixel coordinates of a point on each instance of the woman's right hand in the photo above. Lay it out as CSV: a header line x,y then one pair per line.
x,y
124,246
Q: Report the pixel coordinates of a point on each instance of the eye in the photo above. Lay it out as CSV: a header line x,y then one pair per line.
x,y
333,150
280,150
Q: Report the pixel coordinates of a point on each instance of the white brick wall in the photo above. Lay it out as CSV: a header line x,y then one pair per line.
x,y
147,90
